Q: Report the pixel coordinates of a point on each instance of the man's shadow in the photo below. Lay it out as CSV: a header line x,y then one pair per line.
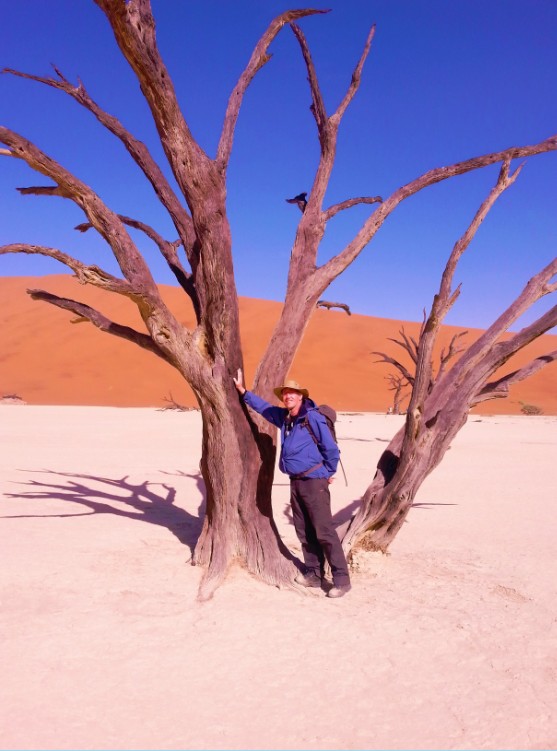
x,y
141,501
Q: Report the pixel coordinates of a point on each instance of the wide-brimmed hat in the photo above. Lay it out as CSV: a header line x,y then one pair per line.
x,y
290,384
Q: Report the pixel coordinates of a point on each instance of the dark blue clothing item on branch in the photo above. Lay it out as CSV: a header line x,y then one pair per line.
x,y
299,452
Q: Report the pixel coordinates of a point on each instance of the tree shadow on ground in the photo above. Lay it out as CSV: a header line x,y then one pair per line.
x,y
139,500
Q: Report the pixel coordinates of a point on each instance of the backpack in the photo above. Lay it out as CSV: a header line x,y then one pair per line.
x,y
330,418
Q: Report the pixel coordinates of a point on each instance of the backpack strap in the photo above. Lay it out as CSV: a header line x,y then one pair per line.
x,y
305,424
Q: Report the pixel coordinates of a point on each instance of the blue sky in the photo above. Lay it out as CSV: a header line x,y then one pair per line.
x,y
445,80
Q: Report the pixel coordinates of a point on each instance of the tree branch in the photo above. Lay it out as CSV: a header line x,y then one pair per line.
x,y
44,190
169,253
388,360
333,210
447,355
408,343
137,150
330,270
198,177
140,154
444,298
356,77
105,221
327,304
424,380
100,321
505,349
133,26
318,105
488,343
85,274
500,388
152,234
312,224
257,60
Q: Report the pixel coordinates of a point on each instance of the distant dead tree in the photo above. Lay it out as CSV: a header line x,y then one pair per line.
x,y
174,405
238,449
406,378
530,409
397,384
439,404
329,305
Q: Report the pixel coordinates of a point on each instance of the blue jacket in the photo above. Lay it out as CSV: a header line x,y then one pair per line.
x,y
299,452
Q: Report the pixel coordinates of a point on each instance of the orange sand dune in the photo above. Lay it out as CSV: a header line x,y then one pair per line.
x,y
47,360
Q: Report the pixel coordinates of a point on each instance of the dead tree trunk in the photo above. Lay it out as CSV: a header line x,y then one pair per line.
x,y
439,406
238,451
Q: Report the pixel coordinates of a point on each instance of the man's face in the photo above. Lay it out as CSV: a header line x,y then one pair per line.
x,y
292,400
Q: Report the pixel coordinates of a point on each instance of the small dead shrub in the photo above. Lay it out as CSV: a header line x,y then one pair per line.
x,y
530,409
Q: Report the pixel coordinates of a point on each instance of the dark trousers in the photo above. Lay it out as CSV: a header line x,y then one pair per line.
x,y
311,509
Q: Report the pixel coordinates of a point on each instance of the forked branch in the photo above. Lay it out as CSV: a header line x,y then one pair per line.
x,y
168,251
445,299
259,57
327,126
327,129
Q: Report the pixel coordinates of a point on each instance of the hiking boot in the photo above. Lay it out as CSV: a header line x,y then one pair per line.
x,y
340,590
308,580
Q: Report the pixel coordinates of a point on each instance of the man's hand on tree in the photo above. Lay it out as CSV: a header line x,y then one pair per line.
x,y
239,382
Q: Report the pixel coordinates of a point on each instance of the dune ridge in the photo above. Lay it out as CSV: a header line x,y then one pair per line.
x,y
46,360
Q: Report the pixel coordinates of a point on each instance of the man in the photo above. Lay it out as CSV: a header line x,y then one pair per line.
x,y
310,464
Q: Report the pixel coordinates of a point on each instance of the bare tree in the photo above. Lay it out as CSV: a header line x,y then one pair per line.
x,y
397,384
174,405
439,404
238,450
407,376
